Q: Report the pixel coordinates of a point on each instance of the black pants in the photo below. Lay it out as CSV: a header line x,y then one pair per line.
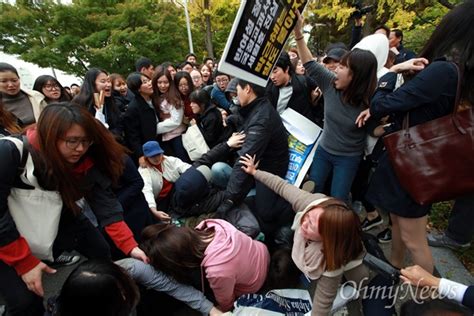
x,y
361,184
272,211
74,234
461,221
174,147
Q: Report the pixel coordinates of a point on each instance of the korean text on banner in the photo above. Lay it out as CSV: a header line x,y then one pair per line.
x,y
258,35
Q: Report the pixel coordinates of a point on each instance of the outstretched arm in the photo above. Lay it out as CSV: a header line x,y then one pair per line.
x,y
299,199
150,278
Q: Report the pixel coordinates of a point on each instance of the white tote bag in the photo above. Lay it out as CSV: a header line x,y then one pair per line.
x,y
36,212
194,143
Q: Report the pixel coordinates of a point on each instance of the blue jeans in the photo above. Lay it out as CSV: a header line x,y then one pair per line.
x,y
343,168
221,174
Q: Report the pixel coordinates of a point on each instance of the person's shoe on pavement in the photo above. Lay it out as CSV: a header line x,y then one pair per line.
x,y
385,236
369,224
442,240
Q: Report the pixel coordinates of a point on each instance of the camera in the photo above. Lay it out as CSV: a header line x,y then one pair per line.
x,y
361,10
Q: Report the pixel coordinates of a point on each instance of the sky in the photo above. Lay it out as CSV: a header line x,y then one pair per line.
x,y
29,72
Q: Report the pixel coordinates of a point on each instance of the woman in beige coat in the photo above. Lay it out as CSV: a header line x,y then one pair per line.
x,y
327,242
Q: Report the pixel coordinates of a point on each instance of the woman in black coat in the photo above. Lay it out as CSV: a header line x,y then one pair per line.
x,y
140,119
428,96
97,81
208,118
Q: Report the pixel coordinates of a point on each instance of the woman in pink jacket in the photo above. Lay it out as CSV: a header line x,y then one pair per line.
x,y
232,262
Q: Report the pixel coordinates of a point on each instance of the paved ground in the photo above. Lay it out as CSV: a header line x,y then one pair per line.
x,y
446,263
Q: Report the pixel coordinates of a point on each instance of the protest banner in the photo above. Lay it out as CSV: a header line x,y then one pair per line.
x,y
303,138
258,35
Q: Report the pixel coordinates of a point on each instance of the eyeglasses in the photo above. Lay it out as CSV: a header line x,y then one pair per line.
x,y
73,143
51,86
222,80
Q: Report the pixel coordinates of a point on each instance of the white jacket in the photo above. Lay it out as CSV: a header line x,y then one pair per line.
x,y
153,178
37,101
172,126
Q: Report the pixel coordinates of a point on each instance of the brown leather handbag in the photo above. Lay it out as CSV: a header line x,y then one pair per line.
x,y
434,161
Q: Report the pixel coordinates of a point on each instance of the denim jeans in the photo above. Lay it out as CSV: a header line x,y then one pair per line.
x,y
343,168
221,174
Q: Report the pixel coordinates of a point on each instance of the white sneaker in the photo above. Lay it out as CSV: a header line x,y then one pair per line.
x,y
64,260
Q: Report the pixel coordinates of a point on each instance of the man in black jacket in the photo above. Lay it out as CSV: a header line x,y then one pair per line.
x,y
289,90
396,45
266,139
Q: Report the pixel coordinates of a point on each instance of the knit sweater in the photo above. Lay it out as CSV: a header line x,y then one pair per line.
x,y
308,255
341,136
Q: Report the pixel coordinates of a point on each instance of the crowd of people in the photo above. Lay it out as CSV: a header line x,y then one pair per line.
x,y
102,169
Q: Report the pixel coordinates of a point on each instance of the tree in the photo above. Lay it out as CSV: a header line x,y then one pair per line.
x,y
87,33
417,19
212,22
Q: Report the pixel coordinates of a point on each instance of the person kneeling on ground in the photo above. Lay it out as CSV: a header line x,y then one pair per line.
x,y
233,263
327,241
159,176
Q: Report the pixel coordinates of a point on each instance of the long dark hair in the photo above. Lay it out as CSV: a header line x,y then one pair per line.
x,y
107,154
363,66
453,38
98,287
172,96
175,250
41,81
86,96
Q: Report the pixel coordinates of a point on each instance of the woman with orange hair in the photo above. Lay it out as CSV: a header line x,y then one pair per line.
x,y
327,244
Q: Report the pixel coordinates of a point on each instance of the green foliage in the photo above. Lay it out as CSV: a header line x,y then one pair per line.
x,y
112,34
222,14
439,214
417,19
105,34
